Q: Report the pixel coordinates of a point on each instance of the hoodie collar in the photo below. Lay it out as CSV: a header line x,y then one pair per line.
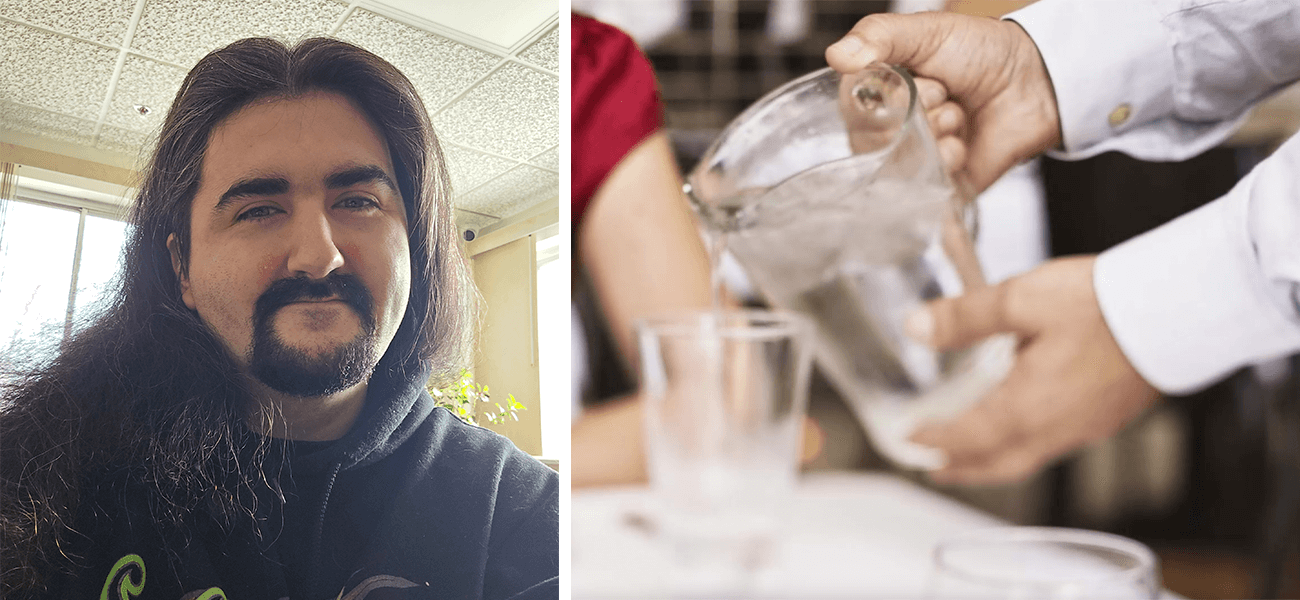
x,y
396,405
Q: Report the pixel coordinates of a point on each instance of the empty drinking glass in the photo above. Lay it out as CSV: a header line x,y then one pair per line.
x,y
726,393
1044,563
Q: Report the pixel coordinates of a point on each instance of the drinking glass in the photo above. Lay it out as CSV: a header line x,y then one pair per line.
x,y
1044,563
830,191
725,397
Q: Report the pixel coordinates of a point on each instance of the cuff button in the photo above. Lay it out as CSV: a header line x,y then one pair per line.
x,y
1120,115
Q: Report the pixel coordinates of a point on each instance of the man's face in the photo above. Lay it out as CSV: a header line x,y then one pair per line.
x,y
299,260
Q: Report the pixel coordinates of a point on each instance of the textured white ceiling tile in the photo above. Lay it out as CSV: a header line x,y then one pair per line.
x,y
500,23
144,82
182,31
438,67
513,113
103,21
549,159
34,121
36,71
545,52
469,168
508,194
131,143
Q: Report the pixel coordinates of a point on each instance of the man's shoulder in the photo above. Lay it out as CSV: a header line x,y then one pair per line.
x,y
449,443
483,477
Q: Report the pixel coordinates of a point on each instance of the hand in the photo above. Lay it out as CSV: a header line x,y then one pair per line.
x,y
1070,384
1002,108
608,444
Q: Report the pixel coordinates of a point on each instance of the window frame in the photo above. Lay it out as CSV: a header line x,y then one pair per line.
x,y
30,190
559,402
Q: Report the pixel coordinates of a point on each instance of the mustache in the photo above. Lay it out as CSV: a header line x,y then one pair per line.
x,y
341,286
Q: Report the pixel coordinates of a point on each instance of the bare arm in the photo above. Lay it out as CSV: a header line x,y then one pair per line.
x,y
639,243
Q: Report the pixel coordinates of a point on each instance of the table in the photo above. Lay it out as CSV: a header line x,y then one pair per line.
x,y
850,535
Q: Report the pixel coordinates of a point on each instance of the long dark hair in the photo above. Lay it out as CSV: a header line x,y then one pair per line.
x,y
145,384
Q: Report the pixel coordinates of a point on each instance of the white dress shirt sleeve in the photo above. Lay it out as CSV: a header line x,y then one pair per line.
x,y
1166,80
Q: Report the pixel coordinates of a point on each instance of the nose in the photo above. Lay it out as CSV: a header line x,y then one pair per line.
x,y
312,251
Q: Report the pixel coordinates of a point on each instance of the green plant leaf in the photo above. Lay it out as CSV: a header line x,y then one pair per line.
x,y
463,396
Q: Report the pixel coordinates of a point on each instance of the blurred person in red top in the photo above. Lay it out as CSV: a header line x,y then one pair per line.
x,y
634,234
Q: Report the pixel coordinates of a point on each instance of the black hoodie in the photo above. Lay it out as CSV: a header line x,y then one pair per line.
x,y
410,503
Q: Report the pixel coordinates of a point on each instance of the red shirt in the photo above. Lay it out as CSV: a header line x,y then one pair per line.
x,y
615,104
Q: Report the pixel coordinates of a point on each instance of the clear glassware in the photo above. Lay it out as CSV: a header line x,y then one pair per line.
x,y
725,395
1044,563
830,191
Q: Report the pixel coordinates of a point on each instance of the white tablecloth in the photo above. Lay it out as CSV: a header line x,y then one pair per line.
x,y
847,536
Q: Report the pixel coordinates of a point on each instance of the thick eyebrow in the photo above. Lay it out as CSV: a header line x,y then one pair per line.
x,y
351,176
257,186
274,186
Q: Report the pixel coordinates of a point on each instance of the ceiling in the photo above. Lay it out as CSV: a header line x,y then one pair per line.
x,y
488,70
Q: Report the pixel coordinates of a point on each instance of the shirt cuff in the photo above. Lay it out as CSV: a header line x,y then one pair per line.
x,y
1104,87
1188,303
1166,140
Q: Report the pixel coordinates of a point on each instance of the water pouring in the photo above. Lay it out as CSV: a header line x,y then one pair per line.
x,y
831,192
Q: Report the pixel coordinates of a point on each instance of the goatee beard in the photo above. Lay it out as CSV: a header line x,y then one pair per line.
x,y
292,371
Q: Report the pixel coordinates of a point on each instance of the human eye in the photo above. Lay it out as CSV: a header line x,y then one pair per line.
x,y
257,213
357,203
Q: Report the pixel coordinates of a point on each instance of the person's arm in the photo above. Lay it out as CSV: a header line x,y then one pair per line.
x,y
1215,289
1187,302
608,446
640,245
635,235
1161,80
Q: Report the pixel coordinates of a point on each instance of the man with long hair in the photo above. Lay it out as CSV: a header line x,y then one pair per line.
x,y
246,415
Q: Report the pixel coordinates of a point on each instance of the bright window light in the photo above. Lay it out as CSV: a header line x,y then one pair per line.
x,y
552,326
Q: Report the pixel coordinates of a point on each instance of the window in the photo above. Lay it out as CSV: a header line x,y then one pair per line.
x,y
552,332
56,259
101,245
